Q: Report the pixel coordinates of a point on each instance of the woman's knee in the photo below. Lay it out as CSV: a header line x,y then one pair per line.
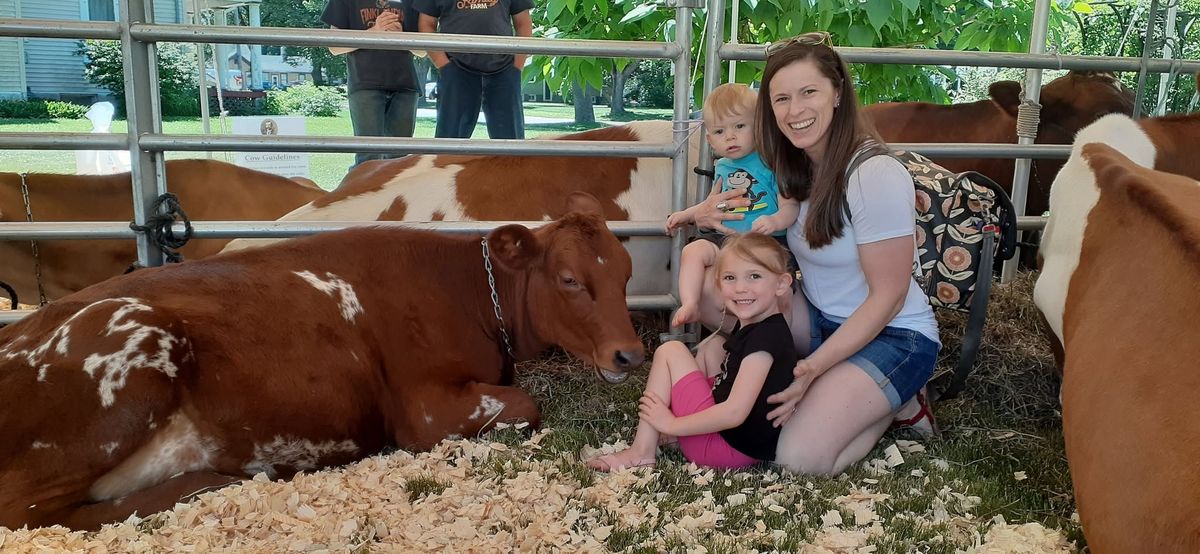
x,y
798,459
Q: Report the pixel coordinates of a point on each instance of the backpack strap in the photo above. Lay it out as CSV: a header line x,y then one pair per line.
x,y
867,150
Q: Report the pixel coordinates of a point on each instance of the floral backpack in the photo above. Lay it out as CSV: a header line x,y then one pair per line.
x,y
955,211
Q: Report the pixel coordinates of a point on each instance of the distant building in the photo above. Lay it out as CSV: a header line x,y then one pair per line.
x,y
49,68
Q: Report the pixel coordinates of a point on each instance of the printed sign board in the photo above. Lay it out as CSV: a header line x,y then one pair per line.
x,y
287,164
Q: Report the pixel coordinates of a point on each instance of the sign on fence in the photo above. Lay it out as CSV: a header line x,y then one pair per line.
x,y
287,164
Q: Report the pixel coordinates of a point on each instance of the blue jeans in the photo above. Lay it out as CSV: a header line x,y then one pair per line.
x,y
382,113
899,360
462,91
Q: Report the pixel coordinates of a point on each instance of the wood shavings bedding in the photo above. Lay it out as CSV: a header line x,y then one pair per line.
x,y
475,496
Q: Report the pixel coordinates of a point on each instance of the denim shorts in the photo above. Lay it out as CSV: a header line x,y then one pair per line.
x,y
901,361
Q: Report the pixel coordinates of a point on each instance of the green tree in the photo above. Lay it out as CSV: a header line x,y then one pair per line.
x,y
305,14
985,25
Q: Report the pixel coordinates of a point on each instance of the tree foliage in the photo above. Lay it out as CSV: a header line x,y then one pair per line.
x,y
305,14
178,91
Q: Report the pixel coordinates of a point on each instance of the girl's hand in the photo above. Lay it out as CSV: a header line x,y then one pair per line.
x,y
805,373
656,412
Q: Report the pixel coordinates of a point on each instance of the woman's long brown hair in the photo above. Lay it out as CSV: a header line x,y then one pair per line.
x,y
823,184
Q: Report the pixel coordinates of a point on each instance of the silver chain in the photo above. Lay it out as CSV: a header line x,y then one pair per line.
x,y
33,245
487,265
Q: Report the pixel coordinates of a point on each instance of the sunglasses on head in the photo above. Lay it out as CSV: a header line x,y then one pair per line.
x,y
810,39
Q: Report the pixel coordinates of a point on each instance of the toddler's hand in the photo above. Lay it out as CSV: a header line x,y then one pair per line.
x,y
654,410
764,225
677,220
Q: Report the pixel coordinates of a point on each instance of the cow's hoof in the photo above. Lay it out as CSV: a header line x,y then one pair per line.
x,y
612,377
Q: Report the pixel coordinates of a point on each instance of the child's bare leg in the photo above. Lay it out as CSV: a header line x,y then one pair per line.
x,y
697,257
672,361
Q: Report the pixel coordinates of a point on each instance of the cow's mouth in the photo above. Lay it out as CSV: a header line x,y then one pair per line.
x,y
612,377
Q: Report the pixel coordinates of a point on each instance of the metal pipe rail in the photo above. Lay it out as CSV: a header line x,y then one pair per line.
x,y
284,36
916,56
59,28
107,230
573,148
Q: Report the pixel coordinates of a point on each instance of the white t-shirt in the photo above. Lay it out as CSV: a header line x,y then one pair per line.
x,y
882,206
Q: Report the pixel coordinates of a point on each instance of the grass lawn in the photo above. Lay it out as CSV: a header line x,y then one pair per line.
x,y
326,169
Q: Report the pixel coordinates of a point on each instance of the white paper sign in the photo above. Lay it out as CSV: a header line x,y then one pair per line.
x,y
287,164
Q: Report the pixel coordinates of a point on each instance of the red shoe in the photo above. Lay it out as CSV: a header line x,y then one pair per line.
x,y
923,422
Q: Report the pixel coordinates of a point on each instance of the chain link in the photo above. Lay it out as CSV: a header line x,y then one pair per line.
x,y
487,265
33,244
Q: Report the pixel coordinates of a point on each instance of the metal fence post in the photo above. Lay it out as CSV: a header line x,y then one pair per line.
x,y
143,113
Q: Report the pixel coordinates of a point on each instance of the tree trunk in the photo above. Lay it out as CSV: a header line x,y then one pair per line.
x,y
617,106
585,111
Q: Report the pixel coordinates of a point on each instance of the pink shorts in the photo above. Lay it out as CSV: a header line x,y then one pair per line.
x,y
693,394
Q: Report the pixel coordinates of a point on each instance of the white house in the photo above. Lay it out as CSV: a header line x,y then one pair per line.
x,y
49,68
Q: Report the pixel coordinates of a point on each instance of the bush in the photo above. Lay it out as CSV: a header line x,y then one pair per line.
x,y
23,109
306,99
177,83
652,85
65,110
240,105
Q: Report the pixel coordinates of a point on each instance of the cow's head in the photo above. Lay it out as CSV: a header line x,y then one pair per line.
x,y
1069,103
576,292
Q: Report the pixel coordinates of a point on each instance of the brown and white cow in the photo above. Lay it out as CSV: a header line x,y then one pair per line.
x,y
208,190
515,188
1068,104
308,353
1121,259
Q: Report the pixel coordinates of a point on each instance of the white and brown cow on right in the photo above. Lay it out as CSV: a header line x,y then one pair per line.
x,y
444,187
1121,258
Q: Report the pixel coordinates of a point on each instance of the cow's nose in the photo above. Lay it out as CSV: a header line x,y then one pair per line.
x,y
626,360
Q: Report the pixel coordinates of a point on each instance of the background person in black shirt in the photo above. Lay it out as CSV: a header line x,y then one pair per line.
x,y
383,87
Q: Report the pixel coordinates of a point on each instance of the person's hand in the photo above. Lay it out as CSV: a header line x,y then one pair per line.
x,y
387,21
713,212
677,220
764,225
654,410
789,398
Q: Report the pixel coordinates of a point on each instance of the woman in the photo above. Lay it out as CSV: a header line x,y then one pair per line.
x,y
864,329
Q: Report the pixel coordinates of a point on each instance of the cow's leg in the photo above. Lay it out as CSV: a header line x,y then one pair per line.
x,y
433,412
163,496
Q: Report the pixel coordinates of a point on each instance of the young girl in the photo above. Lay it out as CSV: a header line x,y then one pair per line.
x,y
716,402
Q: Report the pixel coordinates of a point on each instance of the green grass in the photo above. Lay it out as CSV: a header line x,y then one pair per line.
x,y
327,169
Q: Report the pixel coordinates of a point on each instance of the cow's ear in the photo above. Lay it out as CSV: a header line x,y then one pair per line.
x,y
1007,95
514,246
584,203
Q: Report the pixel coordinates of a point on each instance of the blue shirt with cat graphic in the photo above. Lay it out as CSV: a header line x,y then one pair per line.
x,y
750,173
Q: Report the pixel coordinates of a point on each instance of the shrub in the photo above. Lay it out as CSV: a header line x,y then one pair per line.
x,y
65,110
23,109
240,105
306,99
177,84
652,85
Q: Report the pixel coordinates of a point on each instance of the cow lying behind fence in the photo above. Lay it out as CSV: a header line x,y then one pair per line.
x,y
313,352
1121,259
445,187
207,189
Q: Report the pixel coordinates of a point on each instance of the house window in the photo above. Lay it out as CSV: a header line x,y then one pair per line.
x,y
101,10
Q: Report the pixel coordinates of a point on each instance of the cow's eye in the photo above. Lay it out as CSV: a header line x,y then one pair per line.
x,y
570,282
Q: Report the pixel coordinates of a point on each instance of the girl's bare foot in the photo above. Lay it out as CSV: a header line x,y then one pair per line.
x,y
621,460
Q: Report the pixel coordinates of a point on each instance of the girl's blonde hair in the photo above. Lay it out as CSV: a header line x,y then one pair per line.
x,y
756,248
729,99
